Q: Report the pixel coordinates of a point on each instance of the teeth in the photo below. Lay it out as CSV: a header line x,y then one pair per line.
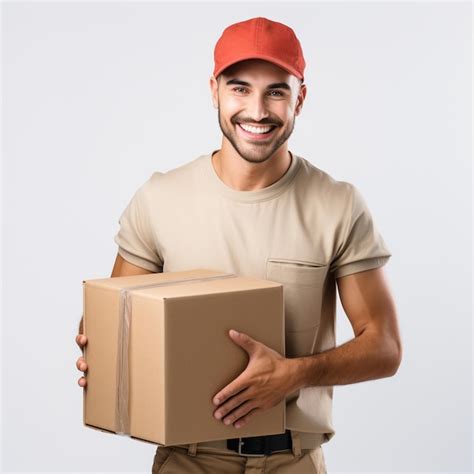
x,y
251,129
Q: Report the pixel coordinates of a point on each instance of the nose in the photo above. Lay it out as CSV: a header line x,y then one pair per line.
x,y
257,108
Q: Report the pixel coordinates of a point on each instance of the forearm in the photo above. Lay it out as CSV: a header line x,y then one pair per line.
x,y
366,357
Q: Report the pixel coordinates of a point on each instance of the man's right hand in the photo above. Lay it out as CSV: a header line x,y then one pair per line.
x,y
81,363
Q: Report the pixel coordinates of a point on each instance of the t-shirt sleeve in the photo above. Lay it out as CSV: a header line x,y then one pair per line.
x,y
361,246
135,238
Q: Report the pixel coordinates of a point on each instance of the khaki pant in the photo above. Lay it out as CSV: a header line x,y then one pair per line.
x,y
195,459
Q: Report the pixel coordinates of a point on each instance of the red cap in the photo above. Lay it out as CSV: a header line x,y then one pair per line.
x,y
259,38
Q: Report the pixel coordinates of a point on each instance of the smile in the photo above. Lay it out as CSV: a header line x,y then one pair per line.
x,y
256,132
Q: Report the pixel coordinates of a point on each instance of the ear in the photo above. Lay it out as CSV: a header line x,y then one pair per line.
x,y
214,91
300,99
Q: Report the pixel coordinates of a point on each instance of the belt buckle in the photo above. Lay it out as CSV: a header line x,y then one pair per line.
x,y
245,454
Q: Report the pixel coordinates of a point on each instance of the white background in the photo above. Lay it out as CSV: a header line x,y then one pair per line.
x,y
97,96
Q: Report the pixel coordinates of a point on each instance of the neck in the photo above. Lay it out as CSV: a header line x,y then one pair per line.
x,y
242,175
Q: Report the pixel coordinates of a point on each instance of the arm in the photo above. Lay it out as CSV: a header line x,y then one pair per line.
x,y
376,350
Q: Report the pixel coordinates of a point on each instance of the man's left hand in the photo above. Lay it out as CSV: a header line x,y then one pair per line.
x,y
268,379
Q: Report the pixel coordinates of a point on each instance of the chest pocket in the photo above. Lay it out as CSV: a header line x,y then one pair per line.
x,y
303,289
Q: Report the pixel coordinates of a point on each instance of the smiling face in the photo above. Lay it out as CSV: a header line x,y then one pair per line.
x,y
257,104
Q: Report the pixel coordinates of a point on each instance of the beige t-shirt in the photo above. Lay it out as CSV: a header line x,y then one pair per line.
x,y
303,231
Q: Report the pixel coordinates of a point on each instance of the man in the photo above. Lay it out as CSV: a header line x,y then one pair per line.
x,y
256,209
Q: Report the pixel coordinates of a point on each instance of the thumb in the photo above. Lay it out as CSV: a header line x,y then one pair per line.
x,y
243,340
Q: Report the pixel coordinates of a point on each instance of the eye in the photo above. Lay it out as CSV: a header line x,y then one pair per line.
x,y
272,92
236,89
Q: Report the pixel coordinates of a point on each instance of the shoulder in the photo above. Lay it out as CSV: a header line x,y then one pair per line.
x,y
176,179
324,188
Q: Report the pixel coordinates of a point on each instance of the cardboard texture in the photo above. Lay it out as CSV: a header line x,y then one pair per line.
x,y
158,350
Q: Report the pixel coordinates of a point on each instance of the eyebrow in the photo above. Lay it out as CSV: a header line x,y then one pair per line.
x,y
276,85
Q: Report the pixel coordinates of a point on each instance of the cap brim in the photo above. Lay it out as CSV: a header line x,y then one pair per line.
x,y
281,64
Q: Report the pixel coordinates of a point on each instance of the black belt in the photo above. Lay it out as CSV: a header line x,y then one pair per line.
x,y
261,445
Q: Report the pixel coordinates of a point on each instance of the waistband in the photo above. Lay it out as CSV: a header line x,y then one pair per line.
x,y
307,440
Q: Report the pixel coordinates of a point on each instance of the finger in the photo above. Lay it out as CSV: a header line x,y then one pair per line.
x,y
243,421
232,403
82,382
238,385
240,412
81,340
81,364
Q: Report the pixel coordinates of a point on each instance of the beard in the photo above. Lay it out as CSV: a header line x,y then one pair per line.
x,y
255,152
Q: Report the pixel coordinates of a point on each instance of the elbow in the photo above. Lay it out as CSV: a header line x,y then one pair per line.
x,y
396,359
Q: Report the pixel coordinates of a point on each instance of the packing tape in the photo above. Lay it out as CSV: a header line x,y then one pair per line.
x,y
122,414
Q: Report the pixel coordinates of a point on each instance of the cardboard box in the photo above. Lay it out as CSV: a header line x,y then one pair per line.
x,y
158,350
